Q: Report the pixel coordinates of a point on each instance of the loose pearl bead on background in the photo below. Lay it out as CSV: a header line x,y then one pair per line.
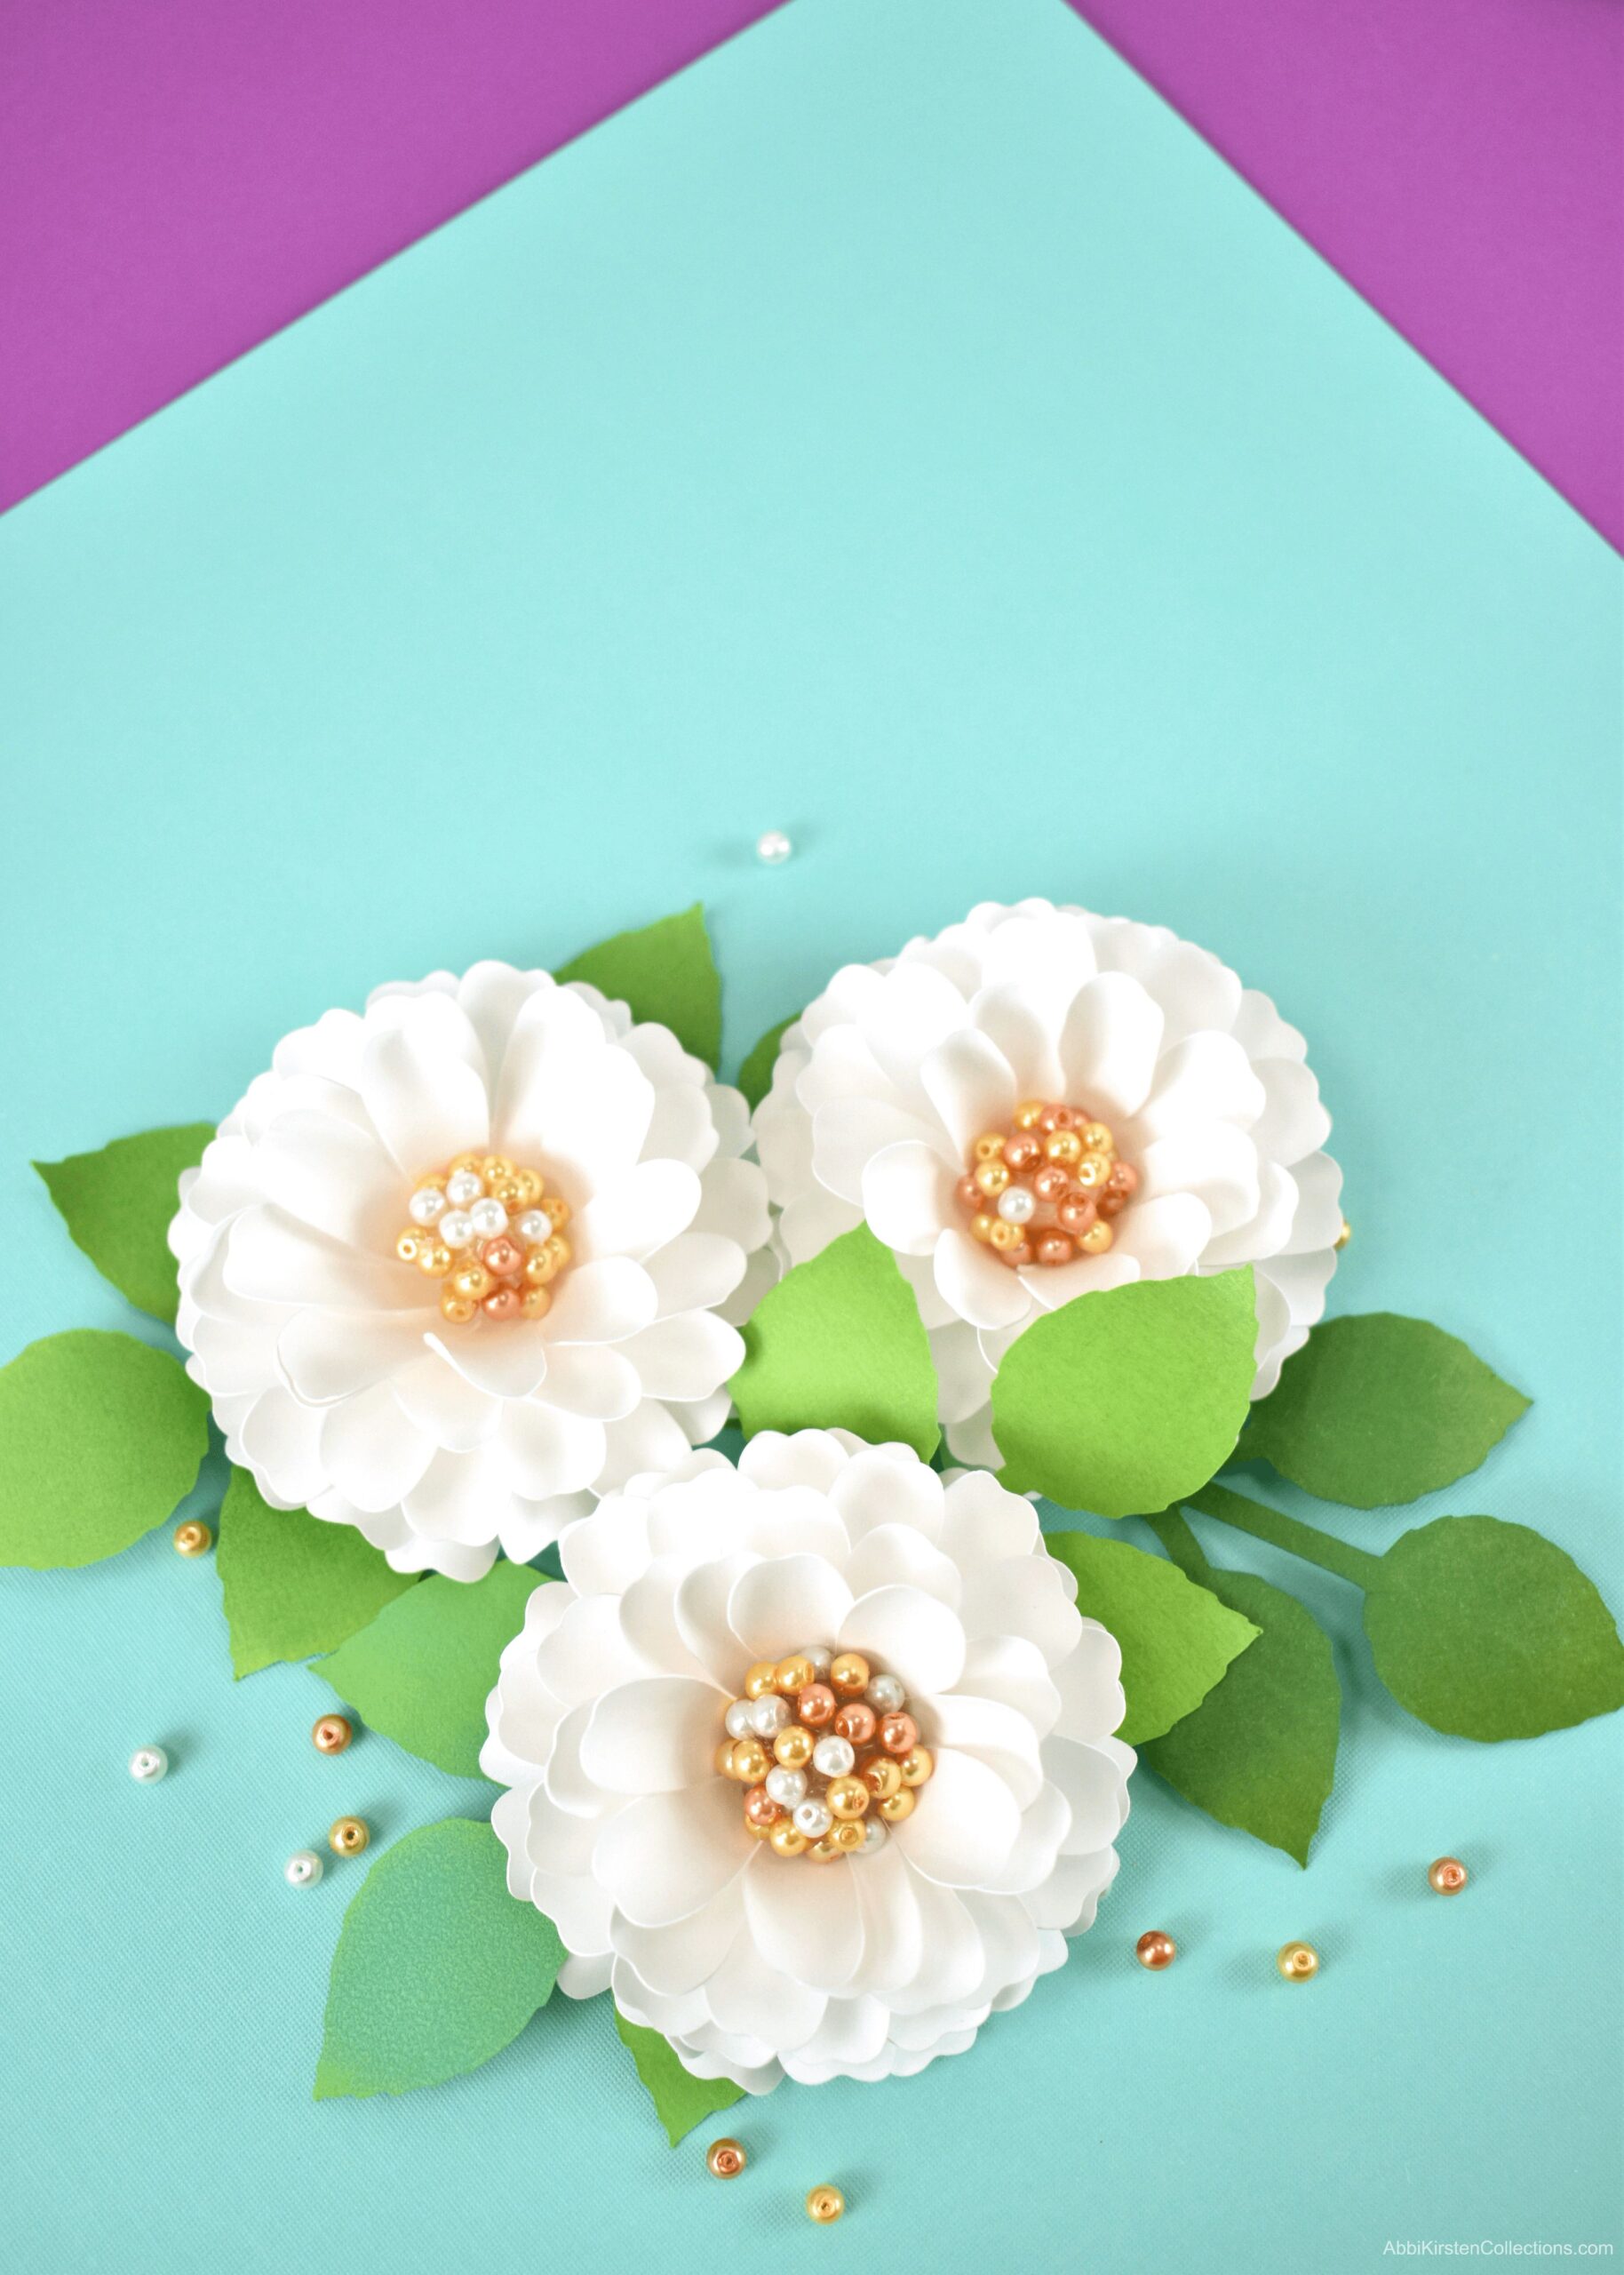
x,y
773,848
349,1837
1448,1876
1298,1962
1156,1951
725,2159
148,1764
332,1734
303,1869
1344,1236
825,2204
192,1538
885,1694
833,1757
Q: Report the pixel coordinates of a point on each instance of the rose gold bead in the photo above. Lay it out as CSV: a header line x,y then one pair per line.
x,y
855,1721
1448,1876
1056,1117
850,1673
1113,1204
1077,1214
968,1194
1156,1951
503,1304
899,1732
1020,1254
725,2159
1124,1179
503,1257
1051,1182
1055,1247
1025,1151
759,1806
332,1734
815,1706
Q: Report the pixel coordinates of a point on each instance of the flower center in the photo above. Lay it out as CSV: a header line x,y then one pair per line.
x,y
1045,1189
491,1233
829,1753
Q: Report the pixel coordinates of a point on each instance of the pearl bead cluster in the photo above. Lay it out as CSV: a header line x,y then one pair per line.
x,y
819,1739
491,1233
1045,1189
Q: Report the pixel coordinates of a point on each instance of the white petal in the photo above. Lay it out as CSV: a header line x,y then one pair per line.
x,y
664,1856
1090,1686
1032,1596
603,1302
1264,1233
372,1453
681,1957
897,1555
779,1604
907,1195
654,1737
1109,1044
507,1359
1214,1161
1293,1123
912,1635
271,1257
281,1443
1014,1672
426,1102
1164,1237
636,1211
964,1379
546,1450
687,1357
1204,1078
697,1271
805,1457
327,1355
808,1922
984,1522
583,1108
439,1400
888,1486
1319,1219
985,1293
847,1136
1095,1791
590,1379
700,1608
650,1438
996,1734
970,1083
748,1996
333,1176
963,1831
1025,1035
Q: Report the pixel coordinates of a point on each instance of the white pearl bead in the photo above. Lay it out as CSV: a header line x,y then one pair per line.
x,y
488,1218
535,1225
821,1660
740,1718
787,1787
773,848
874,1835
148,1764
1015,1204
814,1819
772,1714
455,1228
466,1185
885,1695
303,1869
427,1205
832,1757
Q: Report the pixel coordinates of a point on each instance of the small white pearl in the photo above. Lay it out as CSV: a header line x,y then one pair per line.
x,y
874,1835
488,1218
832,1757
773,848
427,1205
821,1660
303,1869
772,1714
1015,1204
535,1225
148,1764
464,1185
787,1787
885,1695
813,1819
740,1718
455,1228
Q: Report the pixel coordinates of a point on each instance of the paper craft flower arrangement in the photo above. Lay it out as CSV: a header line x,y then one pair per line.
x,y
819,1748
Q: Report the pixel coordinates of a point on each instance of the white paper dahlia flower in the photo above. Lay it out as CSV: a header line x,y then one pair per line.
x,y
810,1762
456,1265
1040,1101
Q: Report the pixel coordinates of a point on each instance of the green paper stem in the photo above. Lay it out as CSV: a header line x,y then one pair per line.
x,y
1289,1533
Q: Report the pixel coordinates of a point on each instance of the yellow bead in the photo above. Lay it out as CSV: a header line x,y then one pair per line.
x,y
192,1538
785,1839
509,1191
1092,1171
1344,1236
750,1762
1298,1962
794,1674
496,1168
556,1211
896,1805
993,1176
918,1766
1064,1146
1028,1116
847,1836
882,1773
408,1247
559,1250
756,1831
826,1851
1003,1235
1097,1138
850,1673
472,1281
725,2159
847,1797
349,1836
539,1268
761,1678
723,1758
436,1259
1097,1239
794,1747
435,1183
535,1303
458,1309
825,2204
466,1161
981,1225
989,1147
332,1733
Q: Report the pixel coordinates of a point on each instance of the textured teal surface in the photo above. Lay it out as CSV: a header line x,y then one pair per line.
x,y
900,431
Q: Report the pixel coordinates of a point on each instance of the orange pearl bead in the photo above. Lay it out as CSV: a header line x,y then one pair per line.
x,y
816,1705
855,1721
760,1807
1155,1950
332,1733
899,1732
1448,1876
725,2159
1298,1962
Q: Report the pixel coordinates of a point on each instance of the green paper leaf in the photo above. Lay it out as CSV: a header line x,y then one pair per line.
x,y
680,2102
1259,1752
839,1345
1177,1638
101,1438
437,1969
755,1076
1377,1409
422,1671
1123,1401
118,1204
1489,1631
292,1585
665,972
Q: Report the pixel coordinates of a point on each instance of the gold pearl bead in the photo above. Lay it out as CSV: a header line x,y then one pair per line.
x,y
1003,1235
988,1147
786,1840
474,1162
883,1775
848,1796
794,1674
1448,1876
1093,1172
1097,1138
192,1538
539,1268
473,1283
725,2159
918,1766
750,1762
408,1247
992,1178
535,1303
431,1184
981,1225
793,1747
826,1851
458,1309
349,1837
755,1829
496,1168
529,1188
1028,1116
1097,1239
436,1259
332,1733
761,1678
556,1211
825,2204
1155,1950
847,1836
1298,1962
848,1673
559,1248
1344,1236
509,1191
896,1805
1064,1146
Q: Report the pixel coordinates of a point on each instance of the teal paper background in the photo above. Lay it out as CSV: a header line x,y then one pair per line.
x,y
997,512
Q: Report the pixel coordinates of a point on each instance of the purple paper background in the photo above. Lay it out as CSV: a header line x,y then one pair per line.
x,y
180,177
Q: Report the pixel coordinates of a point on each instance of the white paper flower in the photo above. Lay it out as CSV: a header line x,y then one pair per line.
x,y
885,1083
456,1265
621,1826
